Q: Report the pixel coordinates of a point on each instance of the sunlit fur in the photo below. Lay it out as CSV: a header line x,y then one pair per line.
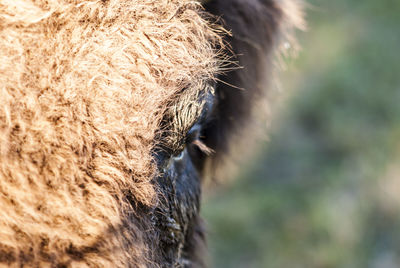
x,y
84,89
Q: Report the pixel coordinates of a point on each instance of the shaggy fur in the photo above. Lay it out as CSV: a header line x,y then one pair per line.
x,y
89,90
261,31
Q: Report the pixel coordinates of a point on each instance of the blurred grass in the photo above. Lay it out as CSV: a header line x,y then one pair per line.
x,y
325,191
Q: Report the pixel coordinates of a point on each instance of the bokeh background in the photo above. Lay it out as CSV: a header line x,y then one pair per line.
x,y
325,189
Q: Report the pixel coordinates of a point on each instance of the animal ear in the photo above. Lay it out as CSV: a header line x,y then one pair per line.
x,y
258,28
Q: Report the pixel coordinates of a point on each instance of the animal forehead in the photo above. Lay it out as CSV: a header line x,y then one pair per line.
x,y
102,72
130,53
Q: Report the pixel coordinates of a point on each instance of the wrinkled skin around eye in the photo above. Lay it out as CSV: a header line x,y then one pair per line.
x,y
177,214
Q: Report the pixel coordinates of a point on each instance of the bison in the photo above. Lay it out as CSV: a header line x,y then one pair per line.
x,y
112,112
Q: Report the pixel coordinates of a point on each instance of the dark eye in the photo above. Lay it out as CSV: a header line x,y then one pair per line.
x,y
193,134
196,148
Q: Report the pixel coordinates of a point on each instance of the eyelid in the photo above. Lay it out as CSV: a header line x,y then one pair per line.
x,y
193,134
193,137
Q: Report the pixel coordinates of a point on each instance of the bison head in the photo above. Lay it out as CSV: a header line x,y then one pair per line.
x,y
111,112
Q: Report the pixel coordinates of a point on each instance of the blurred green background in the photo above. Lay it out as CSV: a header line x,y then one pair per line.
x,y
325,190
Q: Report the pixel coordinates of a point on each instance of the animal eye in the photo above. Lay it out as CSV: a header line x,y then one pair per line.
x,y
195,143
193,134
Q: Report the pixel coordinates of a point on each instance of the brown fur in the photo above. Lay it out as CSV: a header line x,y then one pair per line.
x,y
85,87
261,32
